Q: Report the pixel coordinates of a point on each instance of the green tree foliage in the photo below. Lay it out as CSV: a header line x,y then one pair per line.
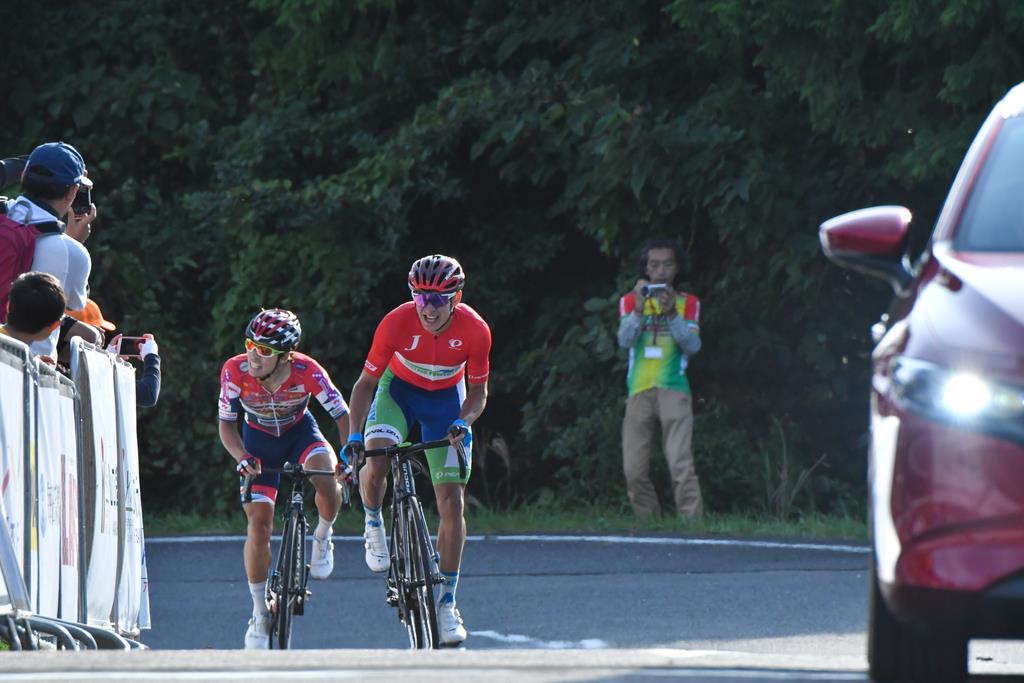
x,y
302,153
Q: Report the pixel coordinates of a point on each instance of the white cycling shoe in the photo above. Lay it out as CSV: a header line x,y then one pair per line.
x,y
257,636
322,563
376,547
449,623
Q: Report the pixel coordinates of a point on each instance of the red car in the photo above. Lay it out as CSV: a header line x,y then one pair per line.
x,y
946,460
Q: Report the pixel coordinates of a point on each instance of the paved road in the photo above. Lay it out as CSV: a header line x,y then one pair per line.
x,y
664,593
561,609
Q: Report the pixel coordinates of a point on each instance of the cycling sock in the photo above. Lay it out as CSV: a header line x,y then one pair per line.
x,y
450,583
323,529
259,598
373,517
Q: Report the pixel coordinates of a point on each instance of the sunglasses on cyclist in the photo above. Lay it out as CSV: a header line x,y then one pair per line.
x,y
261,350
435,299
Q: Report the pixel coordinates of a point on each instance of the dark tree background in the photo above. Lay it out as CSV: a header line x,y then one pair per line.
x,y
302,153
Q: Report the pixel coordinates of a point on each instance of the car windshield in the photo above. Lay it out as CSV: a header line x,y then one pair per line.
x,y
994,217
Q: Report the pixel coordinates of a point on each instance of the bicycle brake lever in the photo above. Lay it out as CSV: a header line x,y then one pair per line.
x,y
247,489
346,495
460,451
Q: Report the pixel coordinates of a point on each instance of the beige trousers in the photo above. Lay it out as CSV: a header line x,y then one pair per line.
x,y
673,410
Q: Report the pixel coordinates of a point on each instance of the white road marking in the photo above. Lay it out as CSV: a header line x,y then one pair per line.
x,y
460,674
516,639
639,540
284,674
657,540
754,675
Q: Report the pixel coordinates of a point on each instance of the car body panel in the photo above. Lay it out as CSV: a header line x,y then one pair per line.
x,y
947,489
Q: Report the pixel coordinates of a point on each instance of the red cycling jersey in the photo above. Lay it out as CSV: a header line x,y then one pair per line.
x,y
275,413
427,360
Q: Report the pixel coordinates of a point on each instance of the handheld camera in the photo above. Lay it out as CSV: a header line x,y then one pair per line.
x,y
650,290
131,347
83,200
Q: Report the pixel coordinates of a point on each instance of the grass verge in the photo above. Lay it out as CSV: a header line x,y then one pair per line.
x,y
542,520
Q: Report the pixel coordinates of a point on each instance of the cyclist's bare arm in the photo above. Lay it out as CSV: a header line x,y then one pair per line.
x,y
344,428
359,402
232,440
473,406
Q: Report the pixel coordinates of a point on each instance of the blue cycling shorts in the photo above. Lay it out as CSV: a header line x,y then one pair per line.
x,y
398,405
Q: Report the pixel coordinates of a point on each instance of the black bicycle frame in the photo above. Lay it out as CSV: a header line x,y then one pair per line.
x,y
288,585
413,572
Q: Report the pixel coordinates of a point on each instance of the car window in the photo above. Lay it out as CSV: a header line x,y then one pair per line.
x,y
994,217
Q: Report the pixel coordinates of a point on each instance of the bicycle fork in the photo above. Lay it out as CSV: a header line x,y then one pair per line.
x,y
399,533
300,590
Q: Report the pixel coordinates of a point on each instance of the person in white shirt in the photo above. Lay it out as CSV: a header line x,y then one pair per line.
x,y
53,175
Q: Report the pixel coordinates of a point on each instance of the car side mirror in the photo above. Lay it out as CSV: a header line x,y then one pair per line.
x,y
871,241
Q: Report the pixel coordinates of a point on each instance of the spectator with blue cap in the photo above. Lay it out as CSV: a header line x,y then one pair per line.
x,y
54,174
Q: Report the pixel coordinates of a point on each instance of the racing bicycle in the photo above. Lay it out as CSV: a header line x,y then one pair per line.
x,y
288,585
414,573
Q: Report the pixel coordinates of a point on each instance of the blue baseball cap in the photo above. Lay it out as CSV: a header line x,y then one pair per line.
x,y
65,165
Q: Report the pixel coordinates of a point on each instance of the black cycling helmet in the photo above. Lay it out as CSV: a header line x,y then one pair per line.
x,y
277,328
437,273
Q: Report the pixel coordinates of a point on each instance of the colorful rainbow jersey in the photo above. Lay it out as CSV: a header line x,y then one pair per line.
x,y
427,360
655,360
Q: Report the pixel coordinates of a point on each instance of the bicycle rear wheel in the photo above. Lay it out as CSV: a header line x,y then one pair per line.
x,y
422,597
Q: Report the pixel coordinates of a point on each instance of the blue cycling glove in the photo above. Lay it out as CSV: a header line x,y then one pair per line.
x,y
354,448
460,427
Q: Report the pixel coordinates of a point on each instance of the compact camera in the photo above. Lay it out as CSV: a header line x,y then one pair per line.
x,y
83,201
651,290
131,347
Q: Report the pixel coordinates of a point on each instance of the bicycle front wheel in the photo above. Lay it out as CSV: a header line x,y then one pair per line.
x,y
399,576
423,601
291,568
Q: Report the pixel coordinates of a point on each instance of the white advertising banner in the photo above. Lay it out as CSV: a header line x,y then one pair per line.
x,y
94,376
14,400
130,589
13,594
51,445
70,514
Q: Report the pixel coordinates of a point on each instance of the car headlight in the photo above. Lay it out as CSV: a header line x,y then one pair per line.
x,y
954,395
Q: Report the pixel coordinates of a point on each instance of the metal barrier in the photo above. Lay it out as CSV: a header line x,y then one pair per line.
x,y
72,555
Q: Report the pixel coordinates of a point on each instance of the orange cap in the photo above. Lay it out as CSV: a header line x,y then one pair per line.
x,y
91,314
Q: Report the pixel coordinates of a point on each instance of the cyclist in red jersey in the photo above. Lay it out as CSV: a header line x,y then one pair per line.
x,y
272,383
428,365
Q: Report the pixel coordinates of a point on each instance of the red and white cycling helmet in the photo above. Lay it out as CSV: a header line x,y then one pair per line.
x,y
277,328
436,273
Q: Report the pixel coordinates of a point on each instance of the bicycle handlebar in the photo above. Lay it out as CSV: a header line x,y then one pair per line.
x,y
405,450
293,471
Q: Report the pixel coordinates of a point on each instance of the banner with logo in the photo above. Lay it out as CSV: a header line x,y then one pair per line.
x,y
71,531
13,594
94,377
52,443
15,401
129,592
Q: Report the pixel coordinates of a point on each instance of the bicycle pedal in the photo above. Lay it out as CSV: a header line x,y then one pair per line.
x,y
392,596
